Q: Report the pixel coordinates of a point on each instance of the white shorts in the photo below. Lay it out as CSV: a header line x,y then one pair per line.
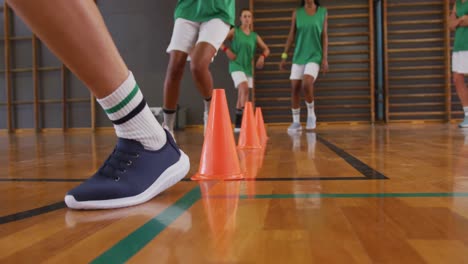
x,y
298,71
187,34
239,77
460,62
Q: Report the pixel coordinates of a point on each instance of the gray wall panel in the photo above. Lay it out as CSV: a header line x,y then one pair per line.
x,y
142,30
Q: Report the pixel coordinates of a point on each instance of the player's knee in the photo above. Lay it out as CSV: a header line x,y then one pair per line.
x,y
198,66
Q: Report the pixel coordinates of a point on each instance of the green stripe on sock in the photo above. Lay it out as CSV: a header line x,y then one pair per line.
x,y
125,101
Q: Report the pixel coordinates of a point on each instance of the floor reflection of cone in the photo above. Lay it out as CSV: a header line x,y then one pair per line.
x,y
251,162
221,201
261,157
219,159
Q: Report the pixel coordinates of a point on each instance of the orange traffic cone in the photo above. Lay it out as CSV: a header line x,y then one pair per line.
x,y
219,159
261,131
248,138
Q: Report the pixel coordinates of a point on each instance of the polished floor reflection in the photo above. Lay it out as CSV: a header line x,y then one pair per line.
x,y
341,194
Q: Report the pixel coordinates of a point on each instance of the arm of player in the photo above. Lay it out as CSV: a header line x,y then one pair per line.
x,y
227,50
454,22
463,21
292,32
266,52
325,45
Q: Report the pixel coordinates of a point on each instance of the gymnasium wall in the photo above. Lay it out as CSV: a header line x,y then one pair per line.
x,y
416,65
417,59
141,29
345,93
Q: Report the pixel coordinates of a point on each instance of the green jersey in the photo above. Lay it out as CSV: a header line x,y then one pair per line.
x,y
461,34
244,47
206,10
309,36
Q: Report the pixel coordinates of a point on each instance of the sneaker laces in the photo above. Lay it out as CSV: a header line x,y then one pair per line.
x,y
118,161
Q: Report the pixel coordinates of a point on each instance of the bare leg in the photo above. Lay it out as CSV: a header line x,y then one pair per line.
x,y
201,59
462,91
243,95
296,86
174,74
62,28
62,25
296,107
242,98
308,86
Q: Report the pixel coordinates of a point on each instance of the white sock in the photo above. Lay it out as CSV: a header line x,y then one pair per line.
x,y
296,113
169,119
207,103
132,118
310,109
465,109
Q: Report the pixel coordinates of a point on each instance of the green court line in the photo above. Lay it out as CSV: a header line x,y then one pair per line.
x,y
130,245
352,195
138,239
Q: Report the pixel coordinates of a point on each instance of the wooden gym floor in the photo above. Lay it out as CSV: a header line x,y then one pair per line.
x,y
345,194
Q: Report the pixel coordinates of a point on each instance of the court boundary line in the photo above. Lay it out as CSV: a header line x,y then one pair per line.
x,y
368,173
31,213
117,254
133,243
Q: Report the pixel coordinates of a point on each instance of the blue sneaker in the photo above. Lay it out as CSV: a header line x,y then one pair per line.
x,y
464,124
131,175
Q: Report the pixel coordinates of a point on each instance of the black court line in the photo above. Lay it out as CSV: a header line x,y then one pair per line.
x,y
360,166
40,180
30,213
368,173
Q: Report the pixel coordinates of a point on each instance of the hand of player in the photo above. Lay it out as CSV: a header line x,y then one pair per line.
x,y
282,65
325,66
231,54
260,62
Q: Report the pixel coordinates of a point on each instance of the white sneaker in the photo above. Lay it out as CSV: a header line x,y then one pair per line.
x,y
295,127
311,122
464,123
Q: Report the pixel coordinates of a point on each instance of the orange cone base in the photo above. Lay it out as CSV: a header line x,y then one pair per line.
x,y
227,177
251,147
